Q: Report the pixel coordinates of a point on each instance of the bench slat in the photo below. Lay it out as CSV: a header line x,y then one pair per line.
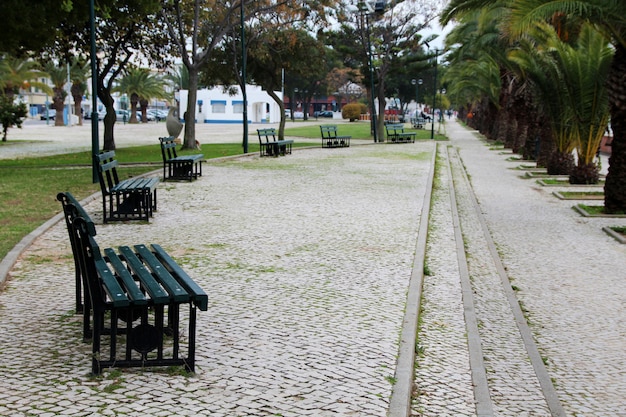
x,y
152,287
176,290
132,290
200,297
112,288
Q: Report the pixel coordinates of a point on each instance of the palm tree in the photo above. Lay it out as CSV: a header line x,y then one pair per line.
x,y
141,85
608,18
79,72
585,68
58,76
16,73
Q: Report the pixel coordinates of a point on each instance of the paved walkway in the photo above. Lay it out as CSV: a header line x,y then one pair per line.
x,y
307,259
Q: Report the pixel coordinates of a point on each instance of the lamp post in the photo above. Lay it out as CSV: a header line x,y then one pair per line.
x,y
432,127
243,81
416,83
94,91
362,7
293,99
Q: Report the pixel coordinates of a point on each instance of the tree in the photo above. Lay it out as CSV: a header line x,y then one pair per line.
x,y
607,17
198,29
11,114
79,72
140,84
27,27
291,49
58,76
386,36
125,30
15,73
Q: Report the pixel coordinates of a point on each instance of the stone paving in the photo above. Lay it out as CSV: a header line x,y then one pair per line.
x,y
307,260
569,281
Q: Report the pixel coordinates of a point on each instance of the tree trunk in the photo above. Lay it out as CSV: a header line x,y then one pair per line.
x,y
190,114
58,103
615,186
380,118
143,105
77,95
281,104
560,163
134,99
109,119
585,174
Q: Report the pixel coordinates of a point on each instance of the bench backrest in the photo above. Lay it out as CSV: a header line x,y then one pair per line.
x,y
88,255
394,128
266,133
168,148
72,210
328,131
107,170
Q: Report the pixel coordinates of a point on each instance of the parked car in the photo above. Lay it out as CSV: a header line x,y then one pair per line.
x,y
122,115
48,114
101,114
158,114
325,113
149,117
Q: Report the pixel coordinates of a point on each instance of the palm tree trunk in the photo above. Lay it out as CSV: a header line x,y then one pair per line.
x,y
615,186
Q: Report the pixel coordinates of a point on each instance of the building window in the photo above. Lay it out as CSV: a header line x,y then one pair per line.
x,y
218,106
238,107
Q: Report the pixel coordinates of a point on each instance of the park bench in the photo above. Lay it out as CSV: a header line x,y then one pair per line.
x,y
269,146
185,167
330,138
129,199
396,133
418,122
142,287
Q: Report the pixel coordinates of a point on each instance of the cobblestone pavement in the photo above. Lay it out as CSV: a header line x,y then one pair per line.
x,y
567,275
306,259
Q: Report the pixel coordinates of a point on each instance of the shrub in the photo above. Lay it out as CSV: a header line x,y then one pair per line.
x,y
351,111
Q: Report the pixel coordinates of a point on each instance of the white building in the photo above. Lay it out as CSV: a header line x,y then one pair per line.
x,y
216,106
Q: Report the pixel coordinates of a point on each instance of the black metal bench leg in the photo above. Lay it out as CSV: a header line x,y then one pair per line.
x,y
191,357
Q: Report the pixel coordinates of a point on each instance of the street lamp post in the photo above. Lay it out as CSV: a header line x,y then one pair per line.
x,y
293,99
416,83
432,127
244,93
362,7
94,91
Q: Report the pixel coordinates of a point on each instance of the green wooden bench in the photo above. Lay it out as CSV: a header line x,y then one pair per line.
x,y
129,199
330,138
396,133
141,286
185,167
270,146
